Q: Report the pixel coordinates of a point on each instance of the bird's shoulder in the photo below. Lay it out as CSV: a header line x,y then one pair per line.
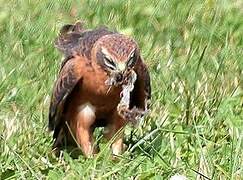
x,y
69,76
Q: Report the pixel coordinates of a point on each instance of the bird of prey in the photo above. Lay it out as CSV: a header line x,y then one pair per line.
x,y
92,87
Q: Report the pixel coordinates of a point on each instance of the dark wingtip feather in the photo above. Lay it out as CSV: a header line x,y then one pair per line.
x,y
78,27
50,123
68,37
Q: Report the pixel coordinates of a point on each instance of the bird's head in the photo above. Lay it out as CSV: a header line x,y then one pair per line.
x,y
117,54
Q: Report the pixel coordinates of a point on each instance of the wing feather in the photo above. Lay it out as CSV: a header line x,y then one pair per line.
x,y
74,39
69,76
142,88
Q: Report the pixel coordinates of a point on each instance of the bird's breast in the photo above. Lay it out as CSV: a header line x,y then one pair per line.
x,y
95,91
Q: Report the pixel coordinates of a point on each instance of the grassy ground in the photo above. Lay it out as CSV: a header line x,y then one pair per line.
x,y
194,53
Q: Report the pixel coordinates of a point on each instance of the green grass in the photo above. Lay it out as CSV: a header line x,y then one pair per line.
x,y
195,56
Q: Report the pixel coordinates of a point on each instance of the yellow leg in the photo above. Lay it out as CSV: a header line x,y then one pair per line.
x,y
84,133
116,131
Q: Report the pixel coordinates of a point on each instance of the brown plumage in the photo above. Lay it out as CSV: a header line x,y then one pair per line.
x,y
89,85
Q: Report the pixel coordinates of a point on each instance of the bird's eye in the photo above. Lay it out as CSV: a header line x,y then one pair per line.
x,y
109,63
131,61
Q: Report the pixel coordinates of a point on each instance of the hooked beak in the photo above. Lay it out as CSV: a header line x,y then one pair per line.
x,y
118,74
121,67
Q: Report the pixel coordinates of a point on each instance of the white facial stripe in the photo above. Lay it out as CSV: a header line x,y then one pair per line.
x,y
109,64
120,66
131,59
107,55
131,53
